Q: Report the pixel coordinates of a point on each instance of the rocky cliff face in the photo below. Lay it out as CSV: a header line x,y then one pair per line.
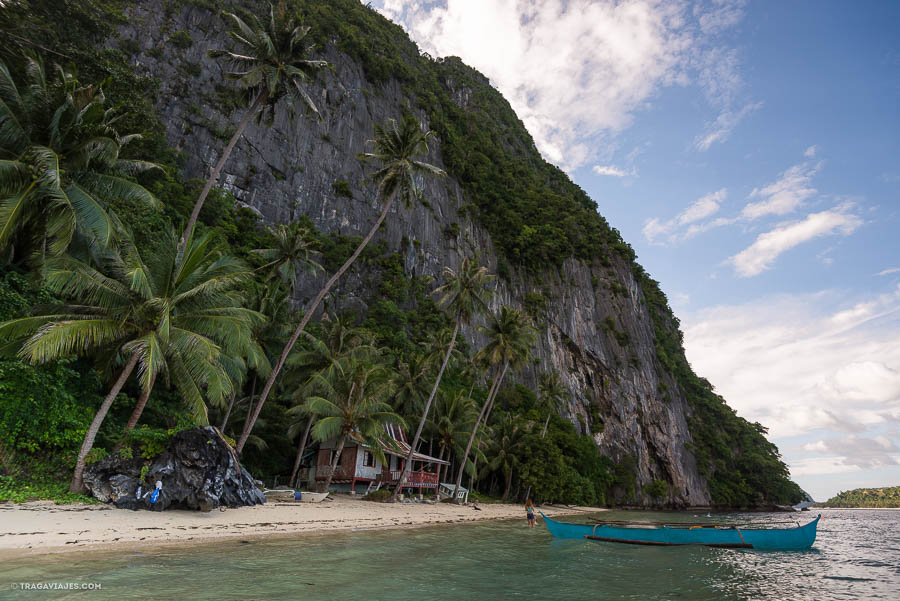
x,y
596,332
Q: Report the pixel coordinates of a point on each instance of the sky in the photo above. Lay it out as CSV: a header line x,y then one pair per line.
x,y
750,153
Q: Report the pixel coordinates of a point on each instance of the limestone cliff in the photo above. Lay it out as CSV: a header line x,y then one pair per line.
x,y
596,331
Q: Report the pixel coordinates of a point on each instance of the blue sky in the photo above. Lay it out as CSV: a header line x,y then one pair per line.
x,y
750,153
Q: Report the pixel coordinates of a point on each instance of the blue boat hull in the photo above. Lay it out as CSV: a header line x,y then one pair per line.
x,y
787,539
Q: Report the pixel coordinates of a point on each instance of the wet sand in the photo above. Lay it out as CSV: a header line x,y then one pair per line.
x,y
43,527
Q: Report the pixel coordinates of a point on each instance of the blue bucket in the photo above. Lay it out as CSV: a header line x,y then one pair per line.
x,y
298,495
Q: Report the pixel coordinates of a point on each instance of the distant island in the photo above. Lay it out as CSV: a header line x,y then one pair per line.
x,y
866,497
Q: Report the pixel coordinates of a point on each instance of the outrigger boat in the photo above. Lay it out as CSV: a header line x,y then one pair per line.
x,y
728,536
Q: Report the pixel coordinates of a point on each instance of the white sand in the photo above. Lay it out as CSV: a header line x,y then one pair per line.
x,y
42,527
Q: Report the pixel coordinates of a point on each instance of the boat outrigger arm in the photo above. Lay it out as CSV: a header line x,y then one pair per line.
x,y
726,536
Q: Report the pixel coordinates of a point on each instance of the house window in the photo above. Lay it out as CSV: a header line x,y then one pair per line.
x,y
331,458
368,459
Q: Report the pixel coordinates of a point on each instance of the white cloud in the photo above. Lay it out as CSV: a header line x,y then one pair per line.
x,y
889,271
785,195
760,255
609,170
576,71
817,466
720,129
700,209
811,151
723,15
798,368
859,452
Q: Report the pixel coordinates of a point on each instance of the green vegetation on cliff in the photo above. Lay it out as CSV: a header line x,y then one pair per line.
x,y
536,216
888,496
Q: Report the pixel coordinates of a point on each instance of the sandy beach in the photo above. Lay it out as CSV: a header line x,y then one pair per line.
x,y
43,527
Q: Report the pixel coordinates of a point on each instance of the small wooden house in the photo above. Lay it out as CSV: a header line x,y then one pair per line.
x,y
359,465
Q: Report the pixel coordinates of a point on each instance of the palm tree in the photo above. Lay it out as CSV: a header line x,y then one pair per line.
x,y
506,446
465,295
353,405
510,338
270,63
553,396
292,251
452,421
410,385
59,162
320,356
396,148
159,315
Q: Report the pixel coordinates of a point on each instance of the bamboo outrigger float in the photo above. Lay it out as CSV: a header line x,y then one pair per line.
x,y
728,536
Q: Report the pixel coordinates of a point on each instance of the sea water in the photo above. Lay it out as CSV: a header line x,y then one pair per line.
x,y
856,556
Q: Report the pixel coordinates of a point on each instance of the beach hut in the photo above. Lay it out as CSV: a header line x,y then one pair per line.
x,y
358,465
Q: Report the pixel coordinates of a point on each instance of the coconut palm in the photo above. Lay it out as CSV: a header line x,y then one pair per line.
x,y
158,314
397,147
451,422
353,404
292,251
553,396
411,385
59,163
506,445
319,356
464,294
270,62
510,339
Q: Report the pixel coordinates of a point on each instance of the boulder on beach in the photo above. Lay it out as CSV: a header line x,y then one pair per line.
x,y
198,470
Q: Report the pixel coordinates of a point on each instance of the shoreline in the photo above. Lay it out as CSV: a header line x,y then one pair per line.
x,y
44,528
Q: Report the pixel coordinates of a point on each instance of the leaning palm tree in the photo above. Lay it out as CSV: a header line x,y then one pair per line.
x,y
270,62
510,339
157,314
464,294
354,404
396,148
59,163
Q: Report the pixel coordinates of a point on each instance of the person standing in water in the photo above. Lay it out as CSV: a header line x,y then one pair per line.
x,y
529,510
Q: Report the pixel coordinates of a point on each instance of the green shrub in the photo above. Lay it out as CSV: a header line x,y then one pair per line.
x,y
181,39
342,188
379,496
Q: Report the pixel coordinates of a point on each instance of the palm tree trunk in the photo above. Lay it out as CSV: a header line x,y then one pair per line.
x,y
300,449
334,464
250,403
508,485
489,401
77,485
139,408
494,398
415,441
546,423
135,415
309,313
228,412
440,465
214,176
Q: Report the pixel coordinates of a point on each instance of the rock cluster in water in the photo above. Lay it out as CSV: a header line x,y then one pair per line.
x,y
198,470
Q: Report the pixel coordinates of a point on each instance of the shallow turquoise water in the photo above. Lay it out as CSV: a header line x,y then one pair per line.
x,y
856,556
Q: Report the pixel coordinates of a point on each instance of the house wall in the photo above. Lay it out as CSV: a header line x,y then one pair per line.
x,y
369,473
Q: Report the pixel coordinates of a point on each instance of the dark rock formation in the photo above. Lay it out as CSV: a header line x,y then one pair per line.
x,y
198,470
